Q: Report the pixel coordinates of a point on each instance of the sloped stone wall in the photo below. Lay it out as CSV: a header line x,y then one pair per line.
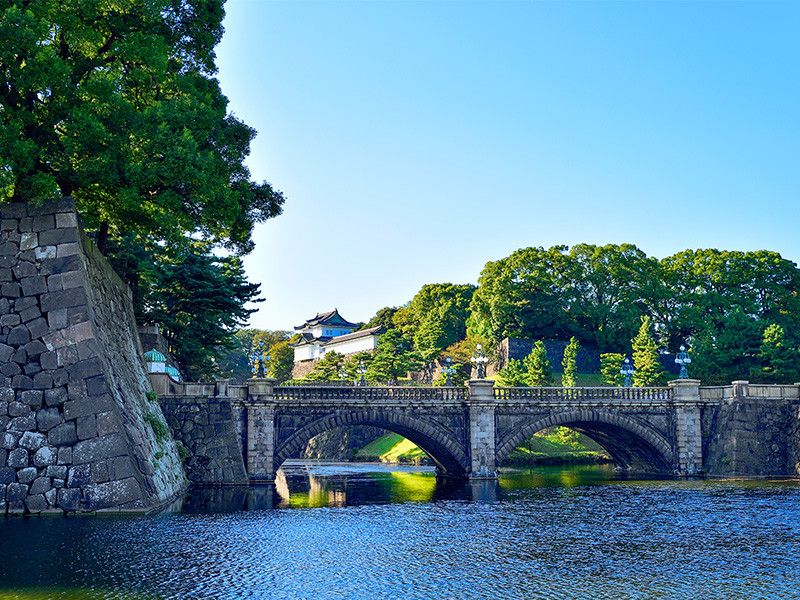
x,y
79,432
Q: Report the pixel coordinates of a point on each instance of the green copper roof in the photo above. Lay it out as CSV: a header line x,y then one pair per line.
x,y
170,370
154,356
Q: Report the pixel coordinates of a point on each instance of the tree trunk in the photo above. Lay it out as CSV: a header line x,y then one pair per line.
x,y
102,237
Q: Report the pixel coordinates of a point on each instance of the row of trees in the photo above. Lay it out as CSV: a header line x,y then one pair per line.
x,y
115,103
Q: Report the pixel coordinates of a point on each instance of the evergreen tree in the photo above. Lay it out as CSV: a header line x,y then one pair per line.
x,y
778,359
539,371
328,368
394,358
610,366
513,374
569,362
281,361
646,361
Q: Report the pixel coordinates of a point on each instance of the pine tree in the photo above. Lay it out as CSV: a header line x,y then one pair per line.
x,y
538,367
610,366
512,375
778,358
645,357
569,362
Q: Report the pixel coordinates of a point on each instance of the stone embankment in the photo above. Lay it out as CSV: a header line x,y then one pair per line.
x,y
79,424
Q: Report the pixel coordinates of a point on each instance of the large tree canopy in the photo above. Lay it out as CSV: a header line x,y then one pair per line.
x,y
113,102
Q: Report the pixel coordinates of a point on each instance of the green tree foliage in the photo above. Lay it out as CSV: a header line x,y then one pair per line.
x,y
199,300
539,371
383,318
649,370
114,103
569,363
727,349
394,358
610,366
281,361
236,362
513,374
328,368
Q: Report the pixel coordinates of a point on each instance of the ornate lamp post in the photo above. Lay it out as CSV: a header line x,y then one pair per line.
x,y
259,359
627,370
361,370
479,359
683,359
448,370
342,374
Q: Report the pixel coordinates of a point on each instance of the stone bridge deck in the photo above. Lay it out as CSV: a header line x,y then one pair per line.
x,y
679,429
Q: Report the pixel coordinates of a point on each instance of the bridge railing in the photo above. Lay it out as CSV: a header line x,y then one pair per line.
x,y
549,394
398,393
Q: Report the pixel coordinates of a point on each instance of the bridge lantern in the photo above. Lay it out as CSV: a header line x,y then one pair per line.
x,y
479,359
683,359
627,371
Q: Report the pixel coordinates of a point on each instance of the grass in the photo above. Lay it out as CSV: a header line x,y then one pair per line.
x,y
557,445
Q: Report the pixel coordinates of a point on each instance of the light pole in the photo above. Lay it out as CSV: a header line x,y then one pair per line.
x,y
479,359
260,358
448,370
361,370
627,370
683,359
342,374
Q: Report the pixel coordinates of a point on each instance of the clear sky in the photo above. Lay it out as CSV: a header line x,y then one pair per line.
x,y
417,140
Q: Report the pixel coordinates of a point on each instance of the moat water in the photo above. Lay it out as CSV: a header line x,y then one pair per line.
x,y
376,532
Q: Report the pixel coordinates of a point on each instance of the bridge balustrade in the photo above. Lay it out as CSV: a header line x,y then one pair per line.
x,y
550,394
399,393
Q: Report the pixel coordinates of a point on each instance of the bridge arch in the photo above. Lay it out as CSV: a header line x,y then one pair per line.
x,y
438,442
632,443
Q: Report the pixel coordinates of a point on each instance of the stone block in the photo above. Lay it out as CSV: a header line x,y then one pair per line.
x,y
32,441
8,224
65,455
106,423
22,382
85,369
56,472
14,210
99,472
122,468
29,314
96,449
11,320
79,475
71,280
63,299
63,435
67,249
36,503
23,270
18,459
16,491
45,252
22,424
54,237
5,353
57,319
18,409
65,264
27,475
18,336
43,381
48,418
56,396
66,220
38,328
49,361
33,286
21,357
32,398
45,456
43,222
113,493
74,409
60,378
86,427
69,499
7,475
9,440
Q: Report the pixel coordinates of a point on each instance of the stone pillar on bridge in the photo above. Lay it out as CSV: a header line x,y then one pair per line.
x,y
260,459
481,429
688,425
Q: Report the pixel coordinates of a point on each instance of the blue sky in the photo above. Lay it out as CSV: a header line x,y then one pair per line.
x,y
417,140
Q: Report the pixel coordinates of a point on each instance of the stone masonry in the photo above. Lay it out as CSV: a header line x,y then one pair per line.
x,y
77,429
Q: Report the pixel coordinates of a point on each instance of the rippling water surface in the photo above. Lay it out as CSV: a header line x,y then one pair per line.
x,y
357,531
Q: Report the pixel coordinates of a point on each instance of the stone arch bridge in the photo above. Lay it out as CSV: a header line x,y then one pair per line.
x,y
680,429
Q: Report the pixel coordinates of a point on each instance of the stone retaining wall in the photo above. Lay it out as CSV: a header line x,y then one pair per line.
x,y
77,430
